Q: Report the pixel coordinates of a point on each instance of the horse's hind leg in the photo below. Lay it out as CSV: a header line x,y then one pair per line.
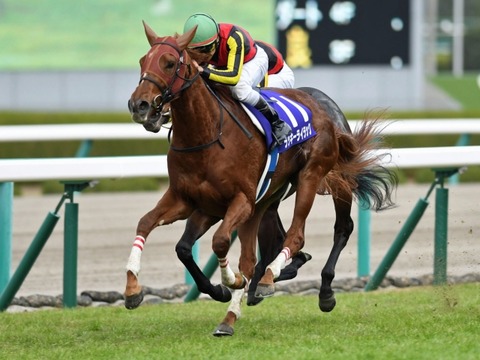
x,y
323,156
342,231
271,235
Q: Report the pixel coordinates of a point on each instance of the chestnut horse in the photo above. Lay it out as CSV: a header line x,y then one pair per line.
x,y
214,170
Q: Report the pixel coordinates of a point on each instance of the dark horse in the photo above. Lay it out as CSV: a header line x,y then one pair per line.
x,y
214,170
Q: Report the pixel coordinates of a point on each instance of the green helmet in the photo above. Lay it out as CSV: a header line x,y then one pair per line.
x,y
207,30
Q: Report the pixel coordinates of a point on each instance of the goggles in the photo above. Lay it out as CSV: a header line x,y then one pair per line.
x,y
207,48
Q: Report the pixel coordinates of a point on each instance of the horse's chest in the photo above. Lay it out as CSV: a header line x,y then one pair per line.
x,y
206,192
212,185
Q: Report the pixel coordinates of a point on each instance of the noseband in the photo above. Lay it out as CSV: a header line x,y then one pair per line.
x,y
168,93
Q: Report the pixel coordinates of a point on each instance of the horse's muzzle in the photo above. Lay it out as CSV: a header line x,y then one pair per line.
x,y
145,114
139,107
142,112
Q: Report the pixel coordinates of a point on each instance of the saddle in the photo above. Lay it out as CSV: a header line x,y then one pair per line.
x,y
294,114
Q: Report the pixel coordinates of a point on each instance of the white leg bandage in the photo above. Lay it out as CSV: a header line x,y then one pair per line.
x,y
279,263
236,302
228,276
133,264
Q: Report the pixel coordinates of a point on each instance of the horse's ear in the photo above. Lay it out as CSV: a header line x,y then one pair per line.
x,y
151,36
184,39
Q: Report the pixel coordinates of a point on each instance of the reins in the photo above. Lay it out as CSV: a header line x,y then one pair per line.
x,y
167,95
232,115
218,139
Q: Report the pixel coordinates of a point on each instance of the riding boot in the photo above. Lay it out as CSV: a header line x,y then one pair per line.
x,y
280,129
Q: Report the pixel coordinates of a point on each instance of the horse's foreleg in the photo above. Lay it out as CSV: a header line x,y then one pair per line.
x,y
238,212
167,210
342,231
133,290
247,233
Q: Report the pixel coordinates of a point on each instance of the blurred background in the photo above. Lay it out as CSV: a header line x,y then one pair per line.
x,y
83,55
64,61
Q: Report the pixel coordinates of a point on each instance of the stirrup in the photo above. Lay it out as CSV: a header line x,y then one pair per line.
x,y
280,131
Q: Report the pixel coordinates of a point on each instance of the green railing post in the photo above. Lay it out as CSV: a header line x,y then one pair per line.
x,y
441,235
70,255
28,260
6,210
84,149
30,256
441,224
463,140
70,250
70,243
397,245
364,237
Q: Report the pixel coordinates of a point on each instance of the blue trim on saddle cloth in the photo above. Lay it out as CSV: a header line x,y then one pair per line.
x,y
264,183
298,116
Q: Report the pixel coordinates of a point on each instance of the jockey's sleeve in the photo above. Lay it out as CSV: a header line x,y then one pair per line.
x,y
230,74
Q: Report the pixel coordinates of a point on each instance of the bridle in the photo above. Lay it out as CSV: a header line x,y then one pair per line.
x,y
177,84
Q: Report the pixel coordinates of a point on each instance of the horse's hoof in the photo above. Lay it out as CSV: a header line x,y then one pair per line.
x,y
252,300
223,330
221,293
304,256
264,290
328,304
133,301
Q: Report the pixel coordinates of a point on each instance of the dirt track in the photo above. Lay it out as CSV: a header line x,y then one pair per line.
x,y
108,221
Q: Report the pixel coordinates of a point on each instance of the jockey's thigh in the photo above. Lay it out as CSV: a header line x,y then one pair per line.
x,y
284,79
252,74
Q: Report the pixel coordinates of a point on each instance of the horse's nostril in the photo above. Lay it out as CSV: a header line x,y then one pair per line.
x,y
143,107
140,107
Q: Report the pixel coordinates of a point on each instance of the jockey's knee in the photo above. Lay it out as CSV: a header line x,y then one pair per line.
x,y
245,93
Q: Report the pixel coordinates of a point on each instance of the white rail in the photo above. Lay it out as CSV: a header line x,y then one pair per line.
x,y
62,132
429,126
12,170
156,166
82,168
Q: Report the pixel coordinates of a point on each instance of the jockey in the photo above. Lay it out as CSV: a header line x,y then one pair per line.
x,y
279,73
227,54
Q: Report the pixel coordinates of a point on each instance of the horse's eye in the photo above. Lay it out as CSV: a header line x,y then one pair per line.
x,y
170,65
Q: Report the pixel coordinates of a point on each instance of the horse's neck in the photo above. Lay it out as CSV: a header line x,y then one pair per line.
x,y
196,115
